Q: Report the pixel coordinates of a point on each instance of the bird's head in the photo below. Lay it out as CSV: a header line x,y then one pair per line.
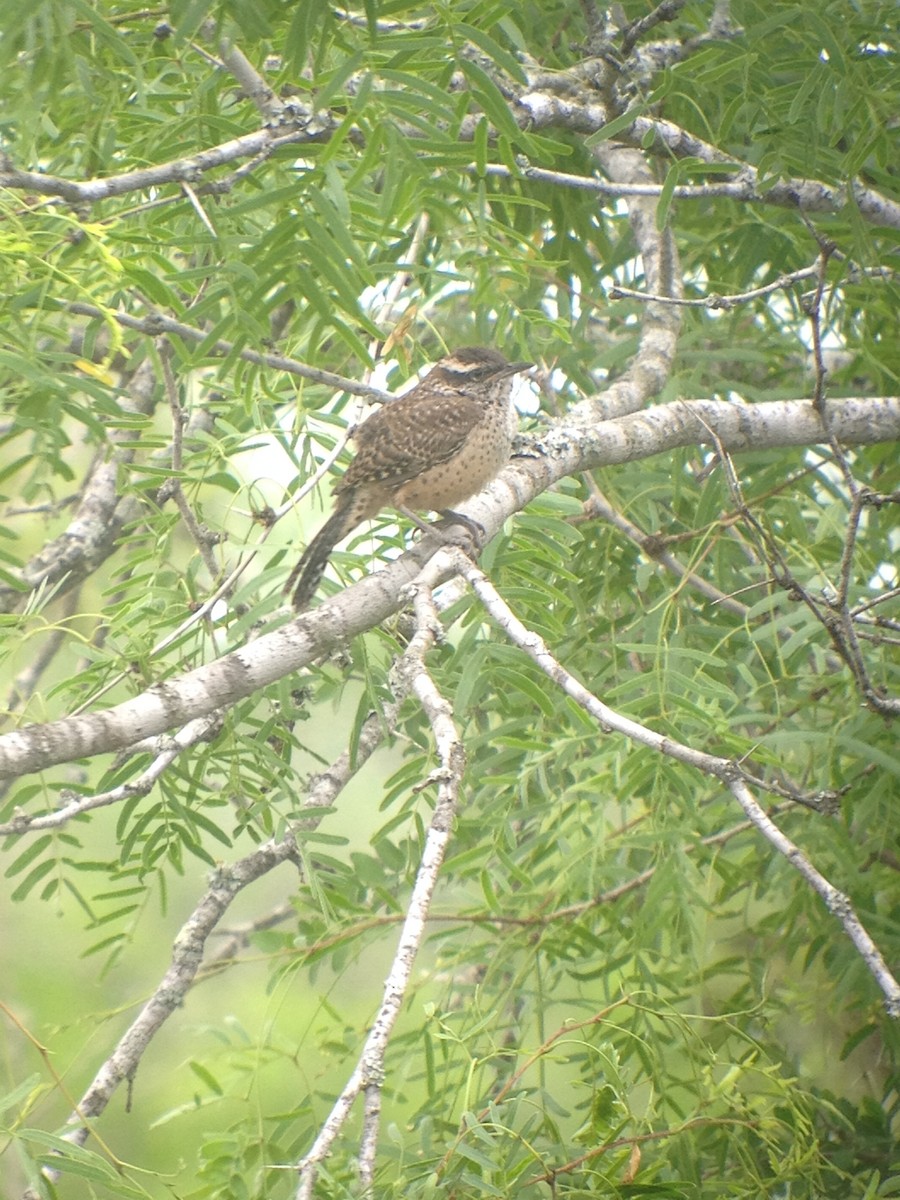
x,y
476,364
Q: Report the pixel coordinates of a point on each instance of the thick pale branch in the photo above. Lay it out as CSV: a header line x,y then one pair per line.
x,y
541,108
166,751
562,451
804,195
651,367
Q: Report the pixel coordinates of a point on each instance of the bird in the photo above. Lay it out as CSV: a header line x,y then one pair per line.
x,y
429,449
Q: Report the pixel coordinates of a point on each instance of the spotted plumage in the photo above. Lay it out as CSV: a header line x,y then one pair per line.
x,y
429,449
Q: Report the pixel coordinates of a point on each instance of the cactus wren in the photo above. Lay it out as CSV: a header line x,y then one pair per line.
x,y
431,448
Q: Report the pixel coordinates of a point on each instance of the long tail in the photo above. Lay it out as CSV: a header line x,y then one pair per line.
x,y
304,579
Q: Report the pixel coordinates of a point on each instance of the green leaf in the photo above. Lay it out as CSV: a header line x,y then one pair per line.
x,y
304,24
490,99
25,1091
664,204
495,52
623,121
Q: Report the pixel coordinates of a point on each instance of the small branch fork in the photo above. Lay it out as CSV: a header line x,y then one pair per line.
x,y
410,676
716,301
567,1032
668,10
570,1030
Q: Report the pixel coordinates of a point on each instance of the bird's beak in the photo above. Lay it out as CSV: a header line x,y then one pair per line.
x,y
515,368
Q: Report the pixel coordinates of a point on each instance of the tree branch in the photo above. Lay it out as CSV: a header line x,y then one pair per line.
x,y
563,450
101,513
156,324
651,367
413,678
729,773
308,126
187,954
534,108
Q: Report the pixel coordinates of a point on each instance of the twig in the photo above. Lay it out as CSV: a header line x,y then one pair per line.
x,y
834,616
307,127
890,594
167,750
739,188
836,902
668,10
655,548
813,308
636,1139
253,85
59,1080
101,512
566,1031
172,487
27,680
194,617
715,300
802,195
814,312
323,791
382,26
198,208
237,935
156,324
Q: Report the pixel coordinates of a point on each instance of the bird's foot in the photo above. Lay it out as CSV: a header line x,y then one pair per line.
x,y
476,530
